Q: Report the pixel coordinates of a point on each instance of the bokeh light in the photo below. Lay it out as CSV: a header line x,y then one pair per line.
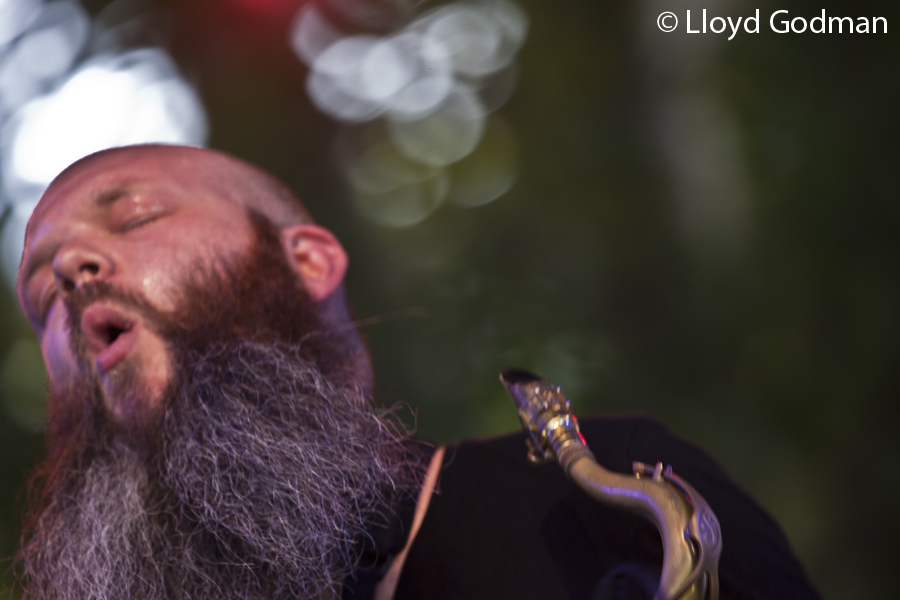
x,y
110,101
489,171
59,102
434,82
447,134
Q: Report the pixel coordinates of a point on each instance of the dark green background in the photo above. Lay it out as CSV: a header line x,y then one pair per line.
x,y
766,330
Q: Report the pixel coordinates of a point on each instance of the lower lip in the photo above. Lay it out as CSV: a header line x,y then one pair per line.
x,y
116,352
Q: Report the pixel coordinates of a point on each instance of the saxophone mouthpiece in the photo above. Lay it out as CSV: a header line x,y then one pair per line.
x,y
519,383
546,415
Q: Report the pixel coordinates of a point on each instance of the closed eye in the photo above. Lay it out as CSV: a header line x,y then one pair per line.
x,y
141,221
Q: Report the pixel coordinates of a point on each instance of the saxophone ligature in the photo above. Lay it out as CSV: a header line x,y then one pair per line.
x,y
690,532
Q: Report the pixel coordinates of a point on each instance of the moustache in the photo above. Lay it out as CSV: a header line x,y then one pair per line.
x,y
89,293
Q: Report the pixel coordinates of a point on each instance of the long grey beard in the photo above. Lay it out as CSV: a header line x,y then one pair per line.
x,y
268,476
101,542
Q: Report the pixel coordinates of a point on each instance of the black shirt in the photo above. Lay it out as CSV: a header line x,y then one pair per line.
x,y
500,527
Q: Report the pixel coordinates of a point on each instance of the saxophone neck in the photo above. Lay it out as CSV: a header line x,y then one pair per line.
x,y
688,527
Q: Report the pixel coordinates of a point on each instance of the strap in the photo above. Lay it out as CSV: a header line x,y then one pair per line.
x,y
388,584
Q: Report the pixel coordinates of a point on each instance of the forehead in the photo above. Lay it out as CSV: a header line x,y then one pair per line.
x,y
91,192
84,186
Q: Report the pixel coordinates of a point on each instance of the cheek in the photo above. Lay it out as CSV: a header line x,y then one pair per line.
x,y
158,287
156,367
158,276
182,253
61,363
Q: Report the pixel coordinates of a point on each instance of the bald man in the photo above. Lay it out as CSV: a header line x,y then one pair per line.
x,y
211,431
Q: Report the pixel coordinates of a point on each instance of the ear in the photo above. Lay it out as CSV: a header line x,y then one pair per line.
x,y
317,256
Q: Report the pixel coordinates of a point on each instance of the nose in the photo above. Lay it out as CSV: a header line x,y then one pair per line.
x,y
77,263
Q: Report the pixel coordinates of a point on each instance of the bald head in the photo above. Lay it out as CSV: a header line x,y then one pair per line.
x,y
229,177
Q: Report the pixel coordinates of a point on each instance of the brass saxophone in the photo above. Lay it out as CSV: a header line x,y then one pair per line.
x,y
690,532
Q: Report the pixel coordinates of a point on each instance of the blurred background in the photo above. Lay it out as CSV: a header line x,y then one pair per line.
x,y
698,229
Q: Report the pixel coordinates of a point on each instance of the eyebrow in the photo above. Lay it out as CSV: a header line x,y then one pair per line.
x,y
109,197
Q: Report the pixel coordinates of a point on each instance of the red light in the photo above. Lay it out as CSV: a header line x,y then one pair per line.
x,y
265,5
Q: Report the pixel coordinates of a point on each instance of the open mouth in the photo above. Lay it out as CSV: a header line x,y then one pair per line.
x,y
109,333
